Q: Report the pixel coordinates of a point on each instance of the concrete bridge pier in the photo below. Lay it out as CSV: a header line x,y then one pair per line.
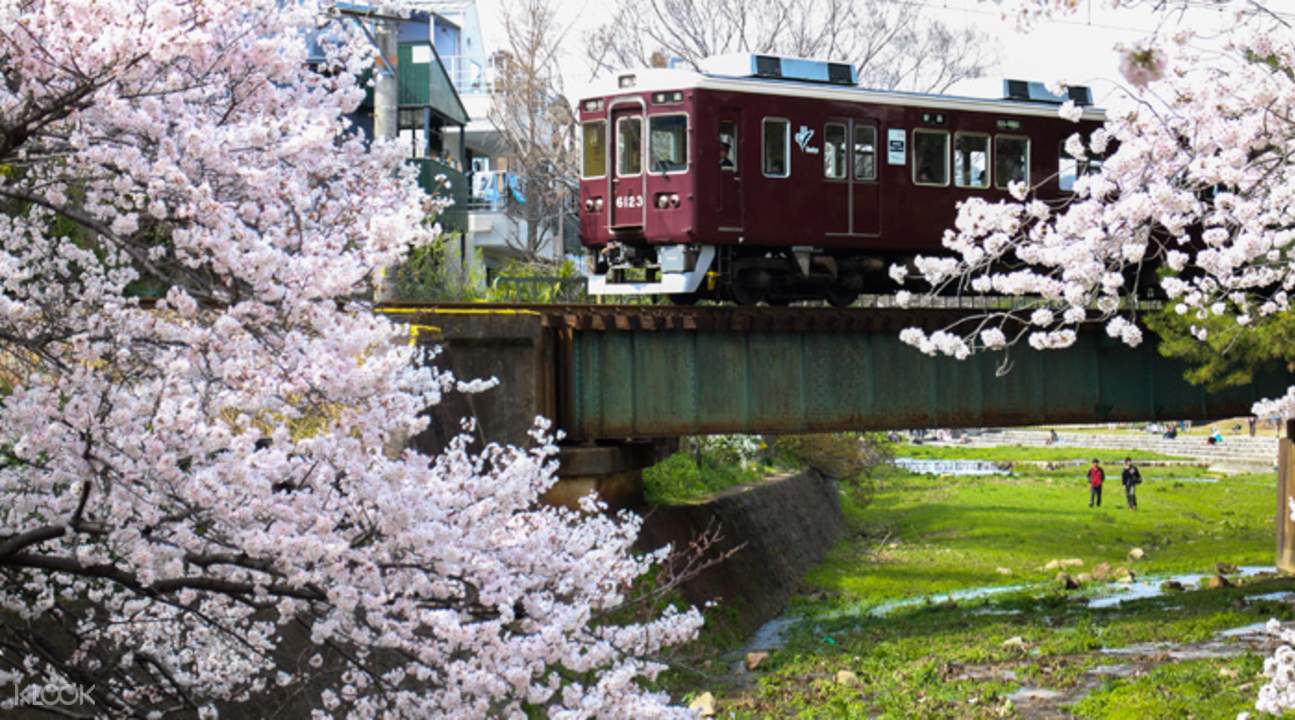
x,y
614,472
1286,491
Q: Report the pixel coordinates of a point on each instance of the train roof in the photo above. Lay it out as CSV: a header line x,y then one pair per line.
x,y
664,79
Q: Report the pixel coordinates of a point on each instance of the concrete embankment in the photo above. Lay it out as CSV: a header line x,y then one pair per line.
x,y
1235,451
784,527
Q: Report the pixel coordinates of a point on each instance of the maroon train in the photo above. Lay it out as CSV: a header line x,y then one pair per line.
x,y
777,179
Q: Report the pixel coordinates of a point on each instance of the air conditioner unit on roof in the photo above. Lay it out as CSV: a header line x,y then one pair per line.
x,y
1032,91
780,68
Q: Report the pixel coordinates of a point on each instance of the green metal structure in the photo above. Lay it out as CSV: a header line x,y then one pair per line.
x,y
428,102
442,181
423,82
649,384
613,373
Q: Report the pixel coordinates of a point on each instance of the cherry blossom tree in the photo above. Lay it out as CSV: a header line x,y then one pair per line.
x,y
1195,198
203,501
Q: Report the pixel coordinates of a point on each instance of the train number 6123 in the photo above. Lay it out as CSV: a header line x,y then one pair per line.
x,y
629,201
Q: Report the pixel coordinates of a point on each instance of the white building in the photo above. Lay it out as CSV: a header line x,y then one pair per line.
x,y
461,45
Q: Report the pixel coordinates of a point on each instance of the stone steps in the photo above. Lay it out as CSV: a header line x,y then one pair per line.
x,y
1259,451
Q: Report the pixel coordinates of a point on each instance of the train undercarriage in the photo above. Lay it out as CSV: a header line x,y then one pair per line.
x,y
742,275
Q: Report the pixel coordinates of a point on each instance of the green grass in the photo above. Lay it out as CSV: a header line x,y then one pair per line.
x,y
946,533
933,662
1188,689
932,535
1021,453
681,479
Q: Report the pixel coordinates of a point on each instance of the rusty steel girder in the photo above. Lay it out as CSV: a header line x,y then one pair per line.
x,y
616,372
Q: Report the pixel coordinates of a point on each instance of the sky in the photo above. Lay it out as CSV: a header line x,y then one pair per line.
x,y
1077,49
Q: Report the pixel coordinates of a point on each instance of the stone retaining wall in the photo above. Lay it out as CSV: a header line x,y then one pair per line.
x,y
788,524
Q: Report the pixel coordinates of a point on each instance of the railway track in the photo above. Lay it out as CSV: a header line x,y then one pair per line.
x,y
702,317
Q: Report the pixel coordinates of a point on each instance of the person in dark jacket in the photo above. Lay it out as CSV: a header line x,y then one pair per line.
x,y
1096,476
1131,478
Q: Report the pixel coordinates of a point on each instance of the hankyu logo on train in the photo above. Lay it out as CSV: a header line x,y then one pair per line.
x,y
803,136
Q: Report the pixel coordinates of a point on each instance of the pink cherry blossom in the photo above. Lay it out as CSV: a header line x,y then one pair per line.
x,y
186,482
1196,192
1141,65
1194,178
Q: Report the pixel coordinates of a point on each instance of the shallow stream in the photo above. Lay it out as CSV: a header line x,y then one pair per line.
x,y
951,467
773,634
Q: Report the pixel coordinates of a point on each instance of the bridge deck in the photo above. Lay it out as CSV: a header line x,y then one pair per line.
x,y
616,372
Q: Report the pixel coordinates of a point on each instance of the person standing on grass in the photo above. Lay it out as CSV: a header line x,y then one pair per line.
x,y
1131,478
1096,476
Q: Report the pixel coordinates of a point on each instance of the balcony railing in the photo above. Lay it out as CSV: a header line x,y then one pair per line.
x,y
470,76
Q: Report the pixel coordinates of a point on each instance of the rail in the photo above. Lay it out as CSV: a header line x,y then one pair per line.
x,y
470,77
737,318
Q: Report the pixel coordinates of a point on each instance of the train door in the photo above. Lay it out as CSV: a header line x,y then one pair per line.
x,y
835,197
729,211
865,195
627,190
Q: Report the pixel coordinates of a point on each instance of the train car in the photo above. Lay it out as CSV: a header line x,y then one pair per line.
x,y
776,179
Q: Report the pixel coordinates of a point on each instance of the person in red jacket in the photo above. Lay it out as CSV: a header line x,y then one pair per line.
x,y
1096,476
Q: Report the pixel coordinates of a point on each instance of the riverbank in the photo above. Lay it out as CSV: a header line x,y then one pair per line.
x,y
1026,647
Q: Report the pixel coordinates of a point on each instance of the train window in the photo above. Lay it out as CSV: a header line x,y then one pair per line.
x,y
728,145
668,143
629,146
777,147
594,149
1011,160
1069,169
865,152
834,151
971,160
930,157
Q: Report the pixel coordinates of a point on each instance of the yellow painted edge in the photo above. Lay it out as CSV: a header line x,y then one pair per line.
x,y
456,311
416,330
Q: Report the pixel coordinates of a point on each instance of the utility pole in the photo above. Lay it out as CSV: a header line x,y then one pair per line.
x,y
386,90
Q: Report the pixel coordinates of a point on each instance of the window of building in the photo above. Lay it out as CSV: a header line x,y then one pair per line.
x,y
668,143
865,152
1011,160
971,160
777,147
594,150
930,157
834,151
629,146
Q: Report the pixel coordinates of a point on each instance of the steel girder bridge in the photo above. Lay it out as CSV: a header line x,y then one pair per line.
x,y
611,373
622,382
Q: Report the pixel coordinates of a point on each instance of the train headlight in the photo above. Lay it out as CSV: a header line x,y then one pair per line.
x,y
589,204
674,199
598,203
662,201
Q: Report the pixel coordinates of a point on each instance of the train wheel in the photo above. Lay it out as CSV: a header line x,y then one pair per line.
x,y
748,295
838,296
845,290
